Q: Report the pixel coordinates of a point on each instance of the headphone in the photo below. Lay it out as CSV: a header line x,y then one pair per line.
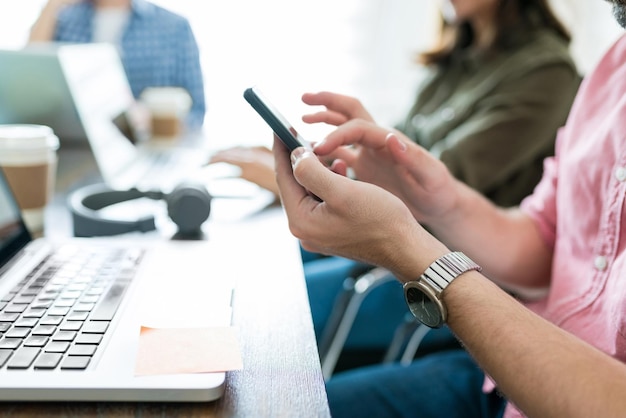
x,y
188,206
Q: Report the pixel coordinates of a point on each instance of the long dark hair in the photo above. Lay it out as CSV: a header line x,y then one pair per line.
x,y
512,17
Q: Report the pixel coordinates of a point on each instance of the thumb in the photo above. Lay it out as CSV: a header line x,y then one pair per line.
x,y
311,174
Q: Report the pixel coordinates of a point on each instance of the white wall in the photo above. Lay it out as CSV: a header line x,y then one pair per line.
x,y
592,26
359,47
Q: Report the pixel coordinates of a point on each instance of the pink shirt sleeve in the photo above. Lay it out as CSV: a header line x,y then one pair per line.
x,y
541,205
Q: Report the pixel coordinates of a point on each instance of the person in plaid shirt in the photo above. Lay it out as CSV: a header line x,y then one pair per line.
x,y
157,47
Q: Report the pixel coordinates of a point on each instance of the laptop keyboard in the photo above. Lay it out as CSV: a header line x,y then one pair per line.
x,y
59,314
162,166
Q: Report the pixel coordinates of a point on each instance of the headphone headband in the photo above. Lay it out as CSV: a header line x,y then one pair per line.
x,y
188,205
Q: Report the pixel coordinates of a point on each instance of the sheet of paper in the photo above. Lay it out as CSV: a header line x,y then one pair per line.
x,y
187,350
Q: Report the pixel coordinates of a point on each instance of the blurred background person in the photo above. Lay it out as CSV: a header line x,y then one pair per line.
x,y
157,46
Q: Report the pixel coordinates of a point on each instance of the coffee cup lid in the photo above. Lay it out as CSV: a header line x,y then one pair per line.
x,y
27,136
166,99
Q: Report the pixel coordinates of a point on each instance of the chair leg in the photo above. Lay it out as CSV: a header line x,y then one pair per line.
x,y
347,310
400,336
334,322
335,347
414,343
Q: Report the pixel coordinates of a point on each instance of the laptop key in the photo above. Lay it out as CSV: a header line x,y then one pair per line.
x,y
26,322
71,325
108,306
36,341
51,320
83,350
4,356
10,343
23,299
88,339
77,316
23,358
75,363
95,327
64,336
57,347
46,330
17,333
58,311
8,317
16,308
34,313
48,361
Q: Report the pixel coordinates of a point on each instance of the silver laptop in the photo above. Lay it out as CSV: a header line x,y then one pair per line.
x,y
33,90
71,312
104,101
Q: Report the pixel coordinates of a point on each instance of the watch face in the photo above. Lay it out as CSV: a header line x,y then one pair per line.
x,y
423,307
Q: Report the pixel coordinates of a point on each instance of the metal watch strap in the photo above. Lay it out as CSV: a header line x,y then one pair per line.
x,y
447,268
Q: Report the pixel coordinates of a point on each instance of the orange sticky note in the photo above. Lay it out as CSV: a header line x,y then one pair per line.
x,y
187,350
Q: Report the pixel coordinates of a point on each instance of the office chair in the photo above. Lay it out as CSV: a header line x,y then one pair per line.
x,y
356,288
407,338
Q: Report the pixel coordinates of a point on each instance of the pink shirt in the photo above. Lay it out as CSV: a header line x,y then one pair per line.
x,y
579,207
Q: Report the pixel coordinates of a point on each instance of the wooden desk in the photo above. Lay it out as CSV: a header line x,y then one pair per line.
x,y
281,375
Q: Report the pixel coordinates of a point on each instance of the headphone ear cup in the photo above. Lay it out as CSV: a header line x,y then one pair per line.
x,y
189,205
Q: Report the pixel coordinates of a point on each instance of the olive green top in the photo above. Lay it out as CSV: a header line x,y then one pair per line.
x,y
492,119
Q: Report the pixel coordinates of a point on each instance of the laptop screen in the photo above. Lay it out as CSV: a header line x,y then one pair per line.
x,y
45,83
33,90
13,233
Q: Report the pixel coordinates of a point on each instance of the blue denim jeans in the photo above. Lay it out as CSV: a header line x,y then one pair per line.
x,y
381,312
447,384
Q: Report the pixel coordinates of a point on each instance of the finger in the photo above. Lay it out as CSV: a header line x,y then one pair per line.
x,y
316,177
291,192
262,149
417,161
354,132
232,156
346,154
340,167
346,105
327,116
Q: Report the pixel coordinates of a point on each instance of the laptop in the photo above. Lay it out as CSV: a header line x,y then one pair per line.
x,y
71,312
33,90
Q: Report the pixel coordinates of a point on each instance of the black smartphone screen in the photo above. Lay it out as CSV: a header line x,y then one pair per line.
x,y
281,127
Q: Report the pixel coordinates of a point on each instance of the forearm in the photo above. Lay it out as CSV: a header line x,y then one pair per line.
x,y
505,242
545,371
44,27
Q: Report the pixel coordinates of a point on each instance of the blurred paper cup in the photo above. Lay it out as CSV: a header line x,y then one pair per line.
x,y
28,158
168,107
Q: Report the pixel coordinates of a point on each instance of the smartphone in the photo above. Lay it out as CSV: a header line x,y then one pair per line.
x,y
281,127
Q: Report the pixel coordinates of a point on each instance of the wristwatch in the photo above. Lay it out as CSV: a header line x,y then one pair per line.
x,y
423,296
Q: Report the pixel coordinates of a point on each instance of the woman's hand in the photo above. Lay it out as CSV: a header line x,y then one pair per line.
x,y
351,218
256,164
339,108
392,161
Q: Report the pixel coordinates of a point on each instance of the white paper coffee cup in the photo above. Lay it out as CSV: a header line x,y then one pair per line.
x,y
168,107
28,158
